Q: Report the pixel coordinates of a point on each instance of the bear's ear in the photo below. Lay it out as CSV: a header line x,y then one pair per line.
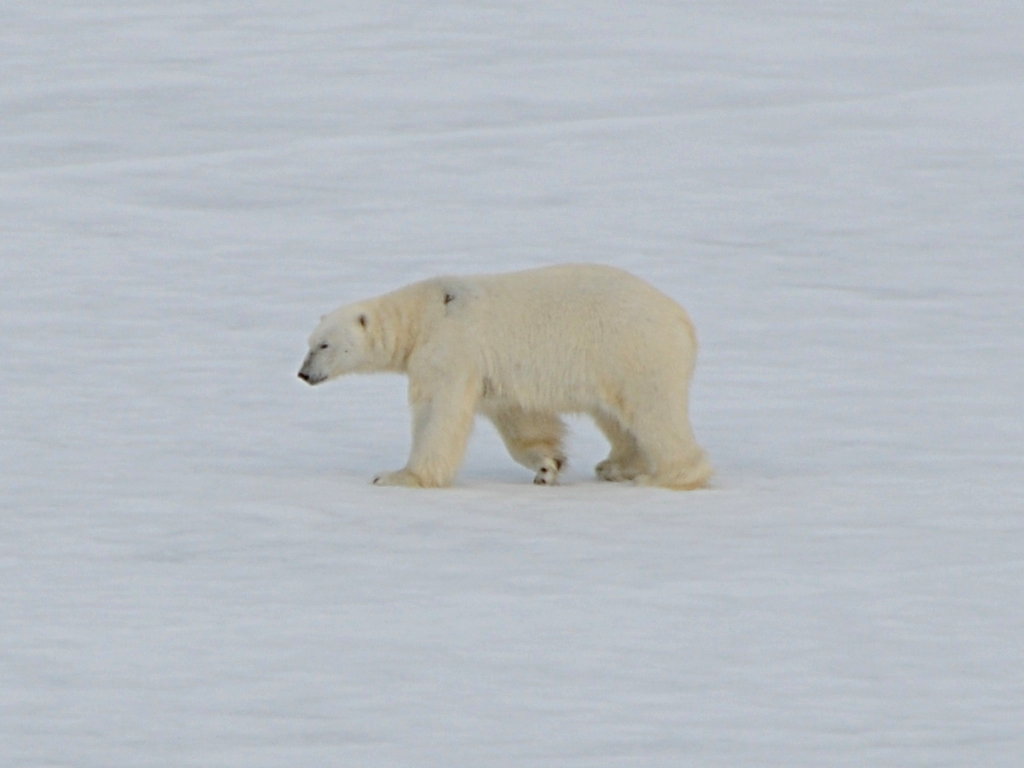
x,y
362,320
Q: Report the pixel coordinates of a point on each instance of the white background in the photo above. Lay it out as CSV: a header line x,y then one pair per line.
x,y
194,570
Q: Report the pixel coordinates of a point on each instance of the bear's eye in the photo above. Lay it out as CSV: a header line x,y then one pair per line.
x,y
323,346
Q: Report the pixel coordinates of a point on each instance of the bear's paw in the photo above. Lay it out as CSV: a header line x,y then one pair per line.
x,y
401,477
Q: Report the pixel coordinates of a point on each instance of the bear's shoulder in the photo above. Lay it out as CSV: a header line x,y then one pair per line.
x,y
451,293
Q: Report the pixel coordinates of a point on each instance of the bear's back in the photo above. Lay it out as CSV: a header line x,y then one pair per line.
x,y
583,297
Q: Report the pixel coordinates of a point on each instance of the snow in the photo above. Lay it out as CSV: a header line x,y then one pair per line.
x,y
195,569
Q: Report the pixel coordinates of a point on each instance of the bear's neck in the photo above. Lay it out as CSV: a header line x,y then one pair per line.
x,y
399,326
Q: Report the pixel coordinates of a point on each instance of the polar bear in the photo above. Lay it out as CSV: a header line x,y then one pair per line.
x,y
522,348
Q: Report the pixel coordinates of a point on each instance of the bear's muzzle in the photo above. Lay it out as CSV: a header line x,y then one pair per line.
x,y
308,377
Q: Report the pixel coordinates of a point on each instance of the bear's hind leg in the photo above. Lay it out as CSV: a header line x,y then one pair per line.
x,y
625,462
534,439
665,437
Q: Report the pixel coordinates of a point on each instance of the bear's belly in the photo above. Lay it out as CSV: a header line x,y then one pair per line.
x,y
536,395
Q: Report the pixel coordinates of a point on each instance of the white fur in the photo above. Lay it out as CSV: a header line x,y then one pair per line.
x,y
522,348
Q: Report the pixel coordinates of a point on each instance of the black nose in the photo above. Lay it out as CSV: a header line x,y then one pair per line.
x,y
303,375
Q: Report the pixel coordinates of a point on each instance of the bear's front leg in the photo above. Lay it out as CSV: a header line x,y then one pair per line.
x,y
441,423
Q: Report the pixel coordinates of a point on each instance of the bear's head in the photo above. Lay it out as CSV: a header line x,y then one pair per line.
x,y
340,344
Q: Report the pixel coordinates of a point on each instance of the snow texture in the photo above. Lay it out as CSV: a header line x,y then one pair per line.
x,y
194,568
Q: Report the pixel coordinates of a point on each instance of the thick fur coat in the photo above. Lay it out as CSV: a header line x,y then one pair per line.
x,y
522,348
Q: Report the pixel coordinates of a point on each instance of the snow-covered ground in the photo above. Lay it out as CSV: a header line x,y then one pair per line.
x,y
194,570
